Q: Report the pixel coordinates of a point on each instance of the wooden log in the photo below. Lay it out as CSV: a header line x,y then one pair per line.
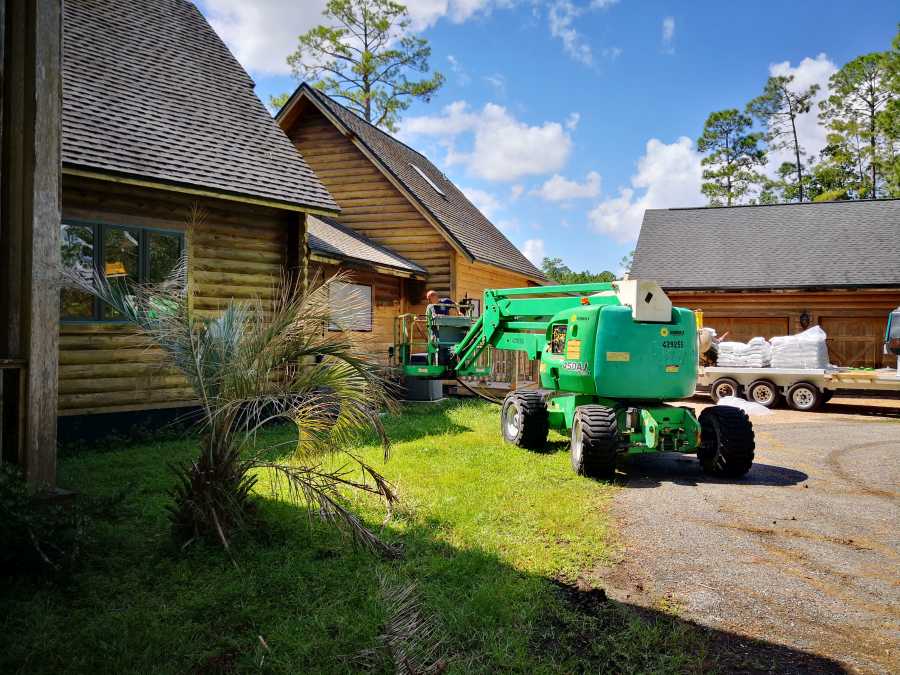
x,y
99,385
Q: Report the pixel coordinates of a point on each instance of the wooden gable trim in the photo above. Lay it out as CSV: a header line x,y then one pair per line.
x,y
360,145
69,170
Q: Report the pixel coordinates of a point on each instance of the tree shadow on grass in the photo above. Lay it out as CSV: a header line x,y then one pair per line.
x,y
304,600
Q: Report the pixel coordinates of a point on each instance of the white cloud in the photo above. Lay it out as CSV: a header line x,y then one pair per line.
x,y
572,121
262,33
516,191
483,200
811,134
562,17
534,250
668,175
559,189
668,34
611,53
502,147
462,77
498,82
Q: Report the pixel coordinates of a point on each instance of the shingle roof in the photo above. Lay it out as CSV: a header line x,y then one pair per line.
x,y
829,244
461,220
150,91
331,238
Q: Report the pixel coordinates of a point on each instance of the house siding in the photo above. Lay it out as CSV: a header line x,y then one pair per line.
x,y
238,251
370,203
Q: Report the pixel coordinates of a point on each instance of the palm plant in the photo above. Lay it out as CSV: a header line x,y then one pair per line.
x,y
253,363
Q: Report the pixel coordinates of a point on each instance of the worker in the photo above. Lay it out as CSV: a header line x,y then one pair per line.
x,y
438,304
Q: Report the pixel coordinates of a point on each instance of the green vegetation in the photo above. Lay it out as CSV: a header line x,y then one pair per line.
x,y
493,540
559,272
249,366
861,116
362,55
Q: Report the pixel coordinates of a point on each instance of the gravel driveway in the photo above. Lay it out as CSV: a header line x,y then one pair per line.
x,y
804,552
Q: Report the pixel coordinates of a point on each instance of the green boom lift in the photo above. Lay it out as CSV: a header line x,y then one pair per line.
x,y
610,355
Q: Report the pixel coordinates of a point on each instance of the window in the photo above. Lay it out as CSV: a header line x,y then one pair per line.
x,y
351,306
126,255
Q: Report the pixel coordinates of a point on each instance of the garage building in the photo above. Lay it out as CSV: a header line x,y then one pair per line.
x,y
777,269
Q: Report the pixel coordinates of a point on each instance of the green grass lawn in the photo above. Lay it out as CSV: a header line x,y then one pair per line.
x,y
491,536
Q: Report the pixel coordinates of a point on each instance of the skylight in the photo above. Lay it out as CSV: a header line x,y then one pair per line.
x,y
428,180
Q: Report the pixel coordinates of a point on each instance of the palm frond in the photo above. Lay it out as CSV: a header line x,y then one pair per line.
x,y
253,363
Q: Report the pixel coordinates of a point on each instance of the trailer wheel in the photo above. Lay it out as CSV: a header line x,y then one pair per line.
x,y
523,419
764,392
804,396
726,442
594,441
724,386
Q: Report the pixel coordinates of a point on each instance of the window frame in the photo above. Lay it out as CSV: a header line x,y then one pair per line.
x,y
371,328
98,229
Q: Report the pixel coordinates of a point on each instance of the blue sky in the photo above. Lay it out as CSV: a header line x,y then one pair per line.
x,y
564,119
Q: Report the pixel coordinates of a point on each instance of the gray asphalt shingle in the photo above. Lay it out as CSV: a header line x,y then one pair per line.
x,y
150,91
453,211
829,244
331,238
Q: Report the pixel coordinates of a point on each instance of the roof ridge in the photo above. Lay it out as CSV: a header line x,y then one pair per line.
x,y
368,123
750,206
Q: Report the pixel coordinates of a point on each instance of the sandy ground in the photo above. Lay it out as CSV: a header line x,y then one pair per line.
x,y
804,552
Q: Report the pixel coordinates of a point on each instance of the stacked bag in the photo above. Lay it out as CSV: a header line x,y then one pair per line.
x,y
804,350
755,354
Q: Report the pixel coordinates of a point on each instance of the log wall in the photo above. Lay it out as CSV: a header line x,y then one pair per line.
x,y
238,251
370,203
472,278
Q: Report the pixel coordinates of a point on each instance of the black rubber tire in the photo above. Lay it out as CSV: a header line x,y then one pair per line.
x,y
594,441
724,381
804,397
523,419
726,442
766,389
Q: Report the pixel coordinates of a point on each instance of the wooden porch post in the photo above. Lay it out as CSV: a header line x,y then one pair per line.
x,y
31,42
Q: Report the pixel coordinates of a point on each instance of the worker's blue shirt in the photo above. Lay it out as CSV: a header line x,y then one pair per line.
x,y
442,306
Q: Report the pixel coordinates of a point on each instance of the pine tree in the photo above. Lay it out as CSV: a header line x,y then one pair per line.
x,y
733,154
362,56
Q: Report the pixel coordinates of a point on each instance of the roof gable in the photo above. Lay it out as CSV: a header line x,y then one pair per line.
x,y
446,205
151,92
829,244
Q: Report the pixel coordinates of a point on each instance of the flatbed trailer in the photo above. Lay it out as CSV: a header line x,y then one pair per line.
x,y
801,388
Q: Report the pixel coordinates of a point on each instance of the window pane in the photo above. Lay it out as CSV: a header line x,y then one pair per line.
x,y
120,260
351,306
165,250
77,250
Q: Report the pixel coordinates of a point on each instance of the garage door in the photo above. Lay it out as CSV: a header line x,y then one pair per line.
x,y
856,341
744,328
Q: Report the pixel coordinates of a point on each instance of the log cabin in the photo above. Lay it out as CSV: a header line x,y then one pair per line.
x,y
394,196
778,269
160,122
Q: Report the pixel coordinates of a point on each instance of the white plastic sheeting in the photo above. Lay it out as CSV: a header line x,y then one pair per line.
x,y
752,409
